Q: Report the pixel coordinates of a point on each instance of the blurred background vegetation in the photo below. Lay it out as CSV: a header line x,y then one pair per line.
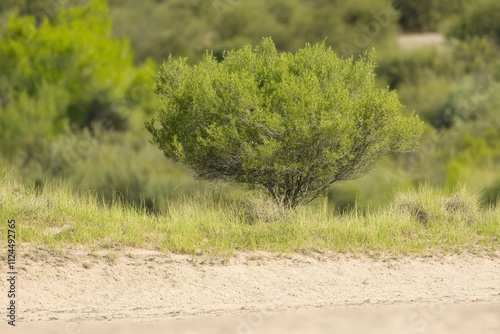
x,y
76,85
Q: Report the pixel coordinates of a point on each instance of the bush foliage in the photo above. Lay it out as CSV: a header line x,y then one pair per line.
x,y
291,123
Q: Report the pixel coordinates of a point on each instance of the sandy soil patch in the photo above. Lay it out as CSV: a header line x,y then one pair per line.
x,y
83,287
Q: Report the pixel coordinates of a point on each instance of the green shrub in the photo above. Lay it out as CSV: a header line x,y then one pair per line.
x,y
67,72
291,123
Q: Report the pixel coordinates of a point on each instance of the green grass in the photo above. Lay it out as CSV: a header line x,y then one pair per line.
x,y
215,223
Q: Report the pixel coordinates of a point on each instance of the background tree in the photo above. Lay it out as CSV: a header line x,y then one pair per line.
x,y
426,15
189,27
480,19
291,123
66,72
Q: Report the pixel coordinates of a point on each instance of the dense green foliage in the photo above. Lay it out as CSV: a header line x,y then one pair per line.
x,y
68,72
189,27
39,9
427,15
481,19
291,123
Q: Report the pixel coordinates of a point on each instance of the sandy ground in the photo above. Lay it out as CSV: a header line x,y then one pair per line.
x,y
419,40
79,291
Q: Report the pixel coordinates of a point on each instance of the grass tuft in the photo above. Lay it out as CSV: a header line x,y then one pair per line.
x,y
431,205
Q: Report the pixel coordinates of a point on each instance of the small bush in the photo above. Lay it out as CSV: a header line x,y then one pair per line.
x,y
292,124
